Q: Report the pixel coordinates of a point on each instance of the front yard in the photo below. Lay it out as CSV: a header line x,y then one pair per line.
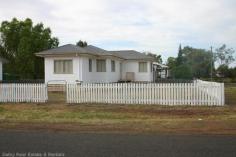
x,y
55,116
119,118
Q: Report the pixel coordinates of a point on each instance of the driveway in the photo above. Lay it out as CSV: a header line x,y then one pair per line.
x,y
57,144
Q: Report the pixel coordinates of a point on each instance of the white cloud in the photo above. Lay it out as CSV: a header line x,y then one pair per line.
x,y
153,25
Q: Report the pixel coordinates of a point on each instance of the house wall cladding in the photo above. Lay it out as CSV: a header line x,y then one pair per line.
x,y
81,71
197,93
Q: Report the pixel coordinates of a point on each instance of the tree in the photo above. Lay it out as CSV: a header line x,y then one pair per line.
x,y
157,58
19,40
226,71
191,62
199,60
171,62
182,72
223,70
180,60
224,55
82,43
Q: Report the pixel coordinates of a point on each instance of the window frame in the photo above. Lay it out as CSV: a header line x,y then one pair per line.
x,y
63,62
90,61
141,67
99,68
151,67
113,66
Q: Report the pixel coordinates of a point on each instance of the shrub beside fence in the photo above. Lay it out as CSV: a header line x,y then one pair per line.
x,y
197,93
23,93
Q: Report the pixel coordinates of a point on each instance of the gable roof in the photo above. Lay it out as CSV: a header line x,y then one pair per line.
x,y
132,55
93,50
70,49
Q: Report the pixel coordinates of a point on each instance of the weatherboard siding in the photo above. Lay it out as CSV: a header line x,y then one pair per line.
x,y
133,66
81,71
100,77
51,77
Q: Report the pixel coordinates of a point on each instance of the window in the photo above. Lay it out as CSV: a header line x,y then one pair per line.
x,y
142,66
63,67
90,65
113,66
101,65
151,67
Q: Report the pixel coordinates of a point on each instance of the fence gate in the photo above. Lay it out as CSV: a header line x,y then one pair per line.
x,y
56,91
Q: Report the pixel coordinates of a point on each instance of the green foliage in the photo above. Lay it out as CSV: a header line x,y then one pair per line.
x,y
182,72
199,60
157,58
82,43
171,62
180,58
194,63
19,40
224,55
225,71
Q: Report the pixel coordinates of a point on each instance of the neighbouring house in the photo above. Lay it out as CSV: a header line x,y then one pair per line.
x,y
2,60
91,64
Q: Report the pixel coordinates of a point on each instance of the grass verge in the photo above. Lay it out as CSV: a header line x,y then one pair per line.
x,y
119,118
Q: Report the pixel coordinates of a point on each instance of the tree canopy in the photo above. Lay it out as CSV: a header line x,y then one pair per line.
x,y
19,40
190,63
157,58
224,55
82,43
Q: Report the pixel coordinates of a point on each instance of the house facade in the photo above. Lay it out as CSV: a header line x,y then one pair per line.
x,y
90,64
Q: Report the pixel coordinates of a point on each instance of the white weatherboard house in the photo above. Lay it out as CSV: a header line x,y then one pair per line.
x,y
91,64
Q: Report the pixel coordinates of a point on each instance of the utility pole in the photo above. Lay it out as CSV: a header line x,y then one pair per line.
x,y
211,63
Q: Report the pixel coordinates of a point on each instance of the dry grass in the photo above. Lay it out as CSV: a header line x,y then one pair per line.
x,y
119,118
230,95
57,116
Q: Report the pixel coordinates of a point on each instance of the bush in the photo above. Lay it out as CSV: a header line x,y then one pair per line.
x,y
182,72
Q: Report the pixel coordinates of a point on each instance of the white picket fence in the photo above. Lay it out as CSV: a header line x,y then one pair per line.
x,y
197,93
23,92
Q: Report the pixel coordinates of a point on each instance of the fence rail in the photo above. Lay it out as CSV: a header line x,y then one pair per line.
x,y
197,93
23,93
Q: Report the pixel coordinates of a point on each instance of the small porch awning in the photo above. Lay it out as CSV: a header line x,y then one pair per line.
x,y
160,66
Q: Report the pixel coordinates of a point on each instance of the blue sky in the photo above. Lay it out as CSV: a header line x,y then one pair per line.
x,y
158,26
